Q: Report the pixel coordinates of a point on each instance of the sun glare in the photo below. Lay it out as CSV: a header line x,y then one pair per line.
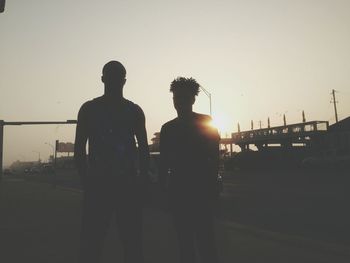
x,y
221,123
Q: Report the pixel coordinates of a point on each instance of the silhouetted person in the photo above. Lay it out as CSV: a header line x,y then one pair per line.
x,y
109,173
189,152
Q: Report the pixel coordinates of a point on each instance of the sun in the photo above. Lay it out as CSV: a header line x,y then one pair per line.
x,y
220,122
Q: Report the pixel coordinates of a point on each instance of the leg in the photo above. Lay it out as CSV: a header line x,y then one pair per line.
x,y
205,236
129,222
185,231
96,217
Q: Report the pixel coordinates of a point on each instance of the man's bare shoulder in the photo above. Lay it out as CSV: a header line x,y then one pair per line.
x,y
90,105
169,125
205,123
203,117
136,108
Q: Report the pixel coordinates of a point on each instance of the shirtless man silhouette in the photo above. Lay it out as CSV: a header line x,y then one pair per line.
x,y
109,175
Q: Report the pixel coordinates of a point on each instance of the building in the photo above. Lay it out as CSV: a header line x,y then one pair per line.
x,y
337,140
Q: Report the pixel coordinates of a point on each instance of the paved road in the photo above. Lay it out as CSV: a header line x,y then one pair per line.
x,y
313,205
42,224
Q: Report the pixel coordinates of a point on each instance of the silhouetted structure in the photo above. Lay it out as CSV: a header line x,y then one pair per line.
x,y
109,175
307,133
189,151
308,144
18,123
154,147
337,140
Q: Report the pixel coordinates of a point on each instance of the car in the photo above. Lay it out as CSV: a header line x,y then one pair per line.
x,y
7,172
48,168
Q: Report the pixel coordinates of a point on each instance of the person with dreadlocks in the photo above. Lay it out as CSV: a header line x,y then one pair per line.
x,y
189,152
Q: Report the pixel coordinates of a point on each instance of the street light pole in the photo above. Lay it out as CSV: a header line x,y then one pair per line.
x,y
54,179
53,151
208,94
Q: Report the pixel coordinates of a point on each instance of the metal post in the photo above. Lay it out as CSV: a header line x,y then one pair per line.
x,y
53,151
335,106
54,166
1,146
208,94
210,104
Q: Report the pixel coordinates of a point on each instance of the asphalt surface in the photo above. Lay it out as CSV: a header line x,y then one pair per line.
x,y
42,223
311,204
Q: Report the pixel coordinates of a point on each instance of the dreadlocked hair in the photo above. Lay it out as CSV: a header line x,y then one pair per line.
x,y
188,85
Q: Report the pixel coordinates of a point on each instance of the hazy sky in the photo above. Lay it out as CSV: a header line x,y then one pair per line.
x,y
258,58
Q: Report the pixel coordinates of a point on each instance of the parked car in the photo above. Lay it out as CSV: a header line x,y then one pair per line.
x,y
7,172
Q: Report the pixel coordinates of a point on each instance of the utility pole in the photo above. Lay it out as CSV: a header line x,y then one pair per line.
x,y
335,105
53,150
57,142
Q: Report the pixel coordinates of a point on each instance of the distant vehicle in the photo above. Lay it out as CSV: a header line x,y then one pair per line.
x,y
32,170
7,172
48,168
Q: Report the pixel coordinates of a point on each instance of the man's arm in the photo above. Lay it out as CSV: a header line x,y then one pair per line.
x,y
143,149
215,149
80,144
164,159
214,156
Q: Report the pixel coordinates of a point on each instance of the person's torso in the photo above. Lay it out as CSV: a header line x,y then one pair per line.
x,y
111,137
188,148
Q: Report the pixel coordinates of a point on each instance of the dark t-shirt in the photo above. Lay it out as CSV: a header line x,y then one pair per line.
x,y
189,149
111,136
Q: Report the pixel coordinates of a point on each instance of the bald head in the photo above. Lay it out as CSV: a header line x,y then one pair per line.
x,y
113,76
114,68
